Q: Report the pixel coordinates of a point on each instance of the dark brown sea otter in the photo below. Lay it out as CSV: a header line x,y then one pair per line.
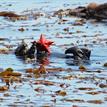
x,y
23,51
78,53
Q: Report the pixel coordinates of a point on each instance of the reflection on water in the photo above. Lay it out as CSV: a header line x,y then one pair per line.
x,y
73,62
46,94
43,59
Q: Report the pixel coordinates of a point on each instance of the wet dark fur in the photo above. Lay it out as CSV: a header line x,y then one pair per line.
x,y
79,53
23,52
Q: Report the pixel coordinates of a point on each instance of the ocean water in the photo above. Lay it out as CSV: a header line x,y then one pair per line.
x,y
96,40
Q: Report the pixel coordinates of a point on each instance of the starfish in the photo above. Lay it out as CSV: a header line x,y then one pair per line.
x,y
45,44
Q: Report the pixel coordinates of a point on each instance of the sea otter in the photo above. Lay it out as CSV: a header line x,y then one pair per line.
x,y
40,47
78,53
23,51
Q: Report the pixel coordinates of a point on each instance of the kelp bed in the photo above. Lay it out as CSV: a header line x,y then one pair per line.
x,y
60,82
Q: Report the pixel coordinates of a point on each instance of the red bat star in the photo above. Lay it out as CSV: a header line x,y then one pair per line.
x,y
45,44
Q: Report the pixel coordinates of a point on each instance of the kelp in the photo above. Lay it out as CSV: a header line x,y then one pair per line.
x,y
9,76
12,16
